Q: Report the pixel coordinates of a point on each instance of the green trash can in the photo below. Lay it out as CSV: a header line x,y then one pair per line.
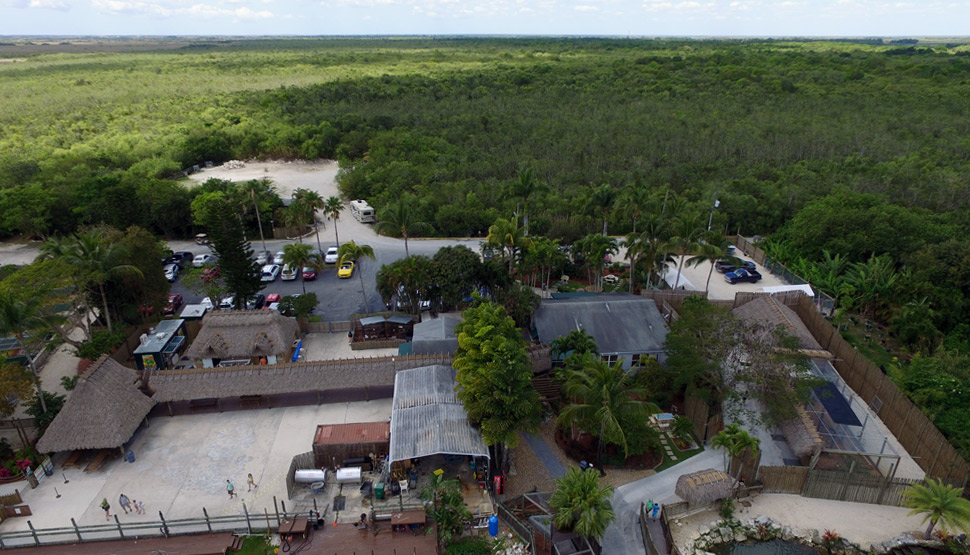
x,y
379,490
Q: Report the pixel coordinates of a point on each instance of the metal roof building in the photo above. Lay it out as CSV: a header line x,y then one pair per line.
x,y
428,419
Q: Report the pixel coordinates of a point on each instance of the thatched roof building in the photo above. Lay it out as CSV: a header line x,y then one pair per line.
x,y
103,411
704,487
244,334
802,435
770,310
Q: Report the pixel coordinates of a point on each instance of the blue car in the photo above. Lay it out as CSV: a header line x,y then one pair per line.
x,y
742,275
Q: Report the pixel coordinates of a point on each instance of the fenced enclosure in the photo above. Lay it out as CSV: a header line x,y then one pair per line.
x,y
824,302
838,485
783,479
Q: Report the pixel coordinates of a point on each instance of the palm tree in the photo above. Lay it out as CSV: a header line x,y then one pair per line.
x,y
445,505
311,201
400,219
333,207
17,317
258,190
686,239
601,201
712,248
576,341
735,442
635,199
938,503
355,252
297,256
95,260
603,395
594,248
508,237
522,189
581,504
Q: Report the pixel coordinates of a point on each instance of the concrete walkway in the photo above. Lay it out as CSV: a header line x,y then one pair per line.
x,y
545,454
624,536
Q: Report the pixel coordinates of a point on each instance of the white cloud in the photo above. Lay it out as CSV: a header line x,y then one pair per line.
x,y
48,5
583,8
172,8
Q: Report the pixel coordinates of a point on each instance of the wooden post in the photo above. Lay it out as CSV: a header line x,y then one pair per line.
x,y
283,506
207,522
276,508
266,512
845,486
118,523
170,413
76,530
249,526
164,526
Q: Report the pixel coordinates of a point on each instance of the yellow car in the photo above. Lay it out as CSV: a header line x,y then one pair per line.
x,y
346,270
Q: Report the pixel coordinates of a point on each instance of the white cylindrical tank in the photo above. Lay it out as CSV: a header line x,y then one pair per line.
x,y
310,475
348,475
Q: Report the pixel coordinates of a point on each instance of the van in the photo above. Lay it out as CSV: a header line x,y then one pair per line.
x,y
362,211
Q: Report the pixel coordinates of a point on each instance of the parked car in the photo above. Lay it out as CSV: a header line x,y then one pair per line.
x,y
201,239
346,270
725,267
257,302
289,273
263,257
227,303
278,257
269,272
171,271
611,279
207,303
174,302
201,260
272,298
331,256
184,257
741,275
309,274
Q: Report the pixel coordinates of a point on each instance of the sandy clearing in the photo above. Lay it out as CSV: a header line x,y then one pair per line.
x,y
318,175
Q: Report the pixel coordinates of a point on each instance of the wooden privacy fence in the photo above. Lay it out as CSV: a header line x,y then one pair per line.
x,y
905,420
783,479
856,487
705,424
303,461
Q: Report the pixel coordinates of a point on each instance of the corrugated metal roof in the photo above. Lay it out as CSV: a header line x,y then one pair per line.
x,y
619,322
358,432
427,418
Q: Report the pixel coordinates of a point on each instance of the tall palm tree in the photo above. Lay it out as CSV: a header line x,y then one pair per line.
x,y
355,252
735,442
595,248
311,201
95,260
507,236
712,248
258,191
938,503
600,201
297,256
687,232
603,395
333,207
17,317
400,219
581,504
651,245
635,199
522,189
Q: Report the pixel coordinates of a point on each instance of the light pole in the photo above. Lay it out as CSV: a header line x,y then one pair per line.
x,y
711,219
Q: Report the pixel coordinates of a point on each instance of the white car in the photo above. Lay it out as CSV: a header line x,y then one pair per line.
x,y
331,256
269,272
278,257
201,260
171,271
610,278
226,303
207,303
289,273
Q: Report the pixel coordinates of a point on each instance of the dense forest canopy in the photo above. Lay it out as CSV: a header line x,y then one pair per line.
x,y
852,157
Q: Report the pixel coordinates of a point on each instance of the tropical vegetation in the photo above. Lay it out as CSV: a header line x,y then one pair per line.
x,y
938,503
581,504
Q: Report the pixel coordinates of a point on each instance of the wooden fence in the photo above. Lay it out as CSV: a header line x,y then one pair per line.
x,y
905,420
856,487
375,344
327,327
783,479
705,424
299,462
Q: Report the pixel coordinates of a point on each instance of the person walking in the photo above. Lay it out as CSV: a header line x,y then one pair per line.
x,y
230,489
125,503
656,510
141,507
251,481
107,508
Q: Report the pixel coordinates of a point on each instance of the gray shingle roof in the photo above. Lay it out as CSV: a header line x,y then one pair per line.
x,y
619,322
427,418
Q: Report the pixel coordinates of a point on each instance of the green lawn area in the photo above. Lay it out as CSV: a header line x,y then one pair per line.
x,y
255,545
681,455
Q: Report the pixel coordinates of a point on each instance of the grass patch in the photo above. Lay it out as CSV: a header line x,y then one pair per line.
x,y
255,545
315,319
681,457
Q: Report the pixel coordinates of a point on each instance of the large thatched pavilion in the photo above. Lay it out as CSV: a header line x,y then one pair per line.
x,y
243,337
103,411
704,487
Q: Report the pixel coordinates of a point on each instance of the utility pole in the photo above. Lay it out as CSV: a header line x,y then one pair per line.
x,y
711,219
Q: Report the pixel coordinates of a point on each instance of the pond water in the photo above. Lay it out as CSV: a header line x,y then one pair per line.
x,y
773,547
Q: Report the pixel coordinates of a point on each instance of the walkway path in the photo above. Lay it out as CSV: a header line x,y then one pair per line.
x,y
545,454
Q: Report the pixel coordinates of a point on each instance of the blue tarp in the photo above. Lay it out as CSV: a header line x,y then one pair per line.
x,y
836,405
296,352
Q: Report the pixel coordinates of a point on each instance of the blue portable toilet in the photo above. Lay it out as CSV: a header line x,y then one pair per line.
x,y
493,526
130,456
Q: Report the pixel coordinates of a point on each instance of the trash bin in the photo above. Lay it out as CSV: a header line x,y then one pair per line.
x,y
32,480
379,490
493,526
130,456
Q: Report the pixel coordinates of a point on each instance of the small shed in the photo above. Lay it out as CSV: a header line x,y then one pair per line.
x,y
704,487
193,311
370,328
351,444
399,326
162,346
434,336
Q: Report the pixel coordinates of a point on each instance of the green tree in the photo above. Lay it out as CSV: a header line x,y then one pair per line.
x,y
95,260
682,428
446,506
635,200
594,248
601,397
43,407
17,384
575,342
457,272
401,220
495,375
259,192
581,504
207,282
600,202
297,256
687,232
522,189
713,247
508,237
237,266
938,503
311,201
735,442
409,279
353,251
333,207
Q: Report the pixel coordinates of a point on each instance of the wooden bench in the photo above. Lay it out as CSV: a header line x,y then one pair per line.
x,y
249,401
76,459
203,403
98,462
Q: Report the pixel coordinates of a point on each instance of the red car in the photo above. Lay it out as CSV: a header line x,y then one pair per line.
x,y
271,298
174,302
309,274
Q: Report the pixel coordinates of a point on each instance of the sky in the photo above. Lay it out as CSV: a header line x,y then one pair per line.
x,y
822,18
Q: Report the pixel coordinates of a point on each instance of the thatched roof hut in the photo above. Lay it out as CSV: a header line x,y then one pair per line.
x,y
802,435
772,311
704,487
103,411
244,334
